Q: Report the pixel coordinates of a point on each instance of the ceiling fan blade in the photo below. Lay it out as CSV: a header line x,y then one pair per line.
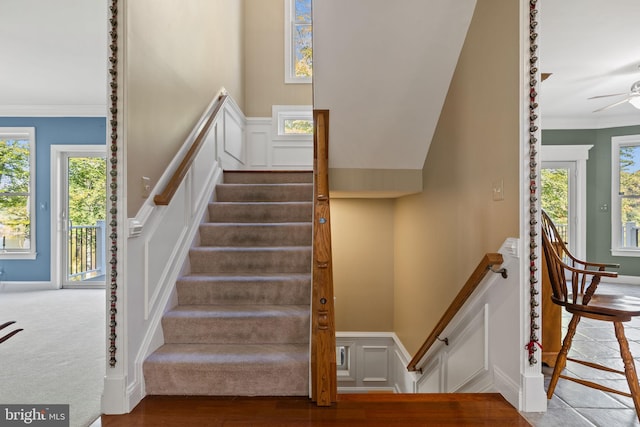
x,y
606,96
606,107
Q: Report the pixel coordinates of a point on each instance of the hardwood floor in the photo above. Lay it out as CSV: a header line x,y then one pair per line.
x,y
351,410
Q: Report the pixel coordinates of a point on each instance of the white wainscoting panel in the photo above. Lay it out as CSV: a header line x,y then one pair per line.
x,y
267,150
233,135
466,357
432,380
174,220
375,364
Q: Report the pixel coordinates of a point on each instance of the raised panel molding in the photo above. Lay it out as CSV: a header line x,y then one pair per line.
x,y
375,364
467,357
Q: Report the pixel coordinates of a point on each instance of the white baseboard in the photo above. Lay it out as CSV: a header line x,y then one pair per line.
x,y
27,286
623,280
114,397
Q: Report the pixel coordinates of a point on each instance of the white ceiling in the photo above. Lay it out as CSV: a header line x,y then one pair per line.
x,y
54,57
592,47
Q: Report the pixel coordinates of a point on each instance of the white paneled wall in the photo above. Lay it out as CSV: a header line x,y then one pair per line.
x,y
479,355
268,148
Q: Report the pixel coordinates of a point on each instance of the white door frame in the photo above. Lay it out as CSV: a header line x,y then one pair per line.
x,y
578,155
58,154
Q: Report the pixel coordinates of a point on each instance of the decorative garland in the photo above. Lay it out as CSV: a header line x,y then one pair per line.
x,y
533,175
113,71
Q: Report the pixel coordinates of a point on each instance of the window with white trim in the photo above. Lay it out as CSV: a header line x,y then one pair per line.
x,y
625,195
298,51
293,121
17,193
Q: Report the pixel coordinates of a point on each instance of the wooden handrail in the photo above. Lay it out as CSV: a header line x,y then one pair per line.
x,y
170,189
323,334
474,280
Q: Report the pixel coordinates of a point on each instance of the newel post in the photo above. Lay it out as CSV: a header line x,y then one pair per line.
x,y
323,334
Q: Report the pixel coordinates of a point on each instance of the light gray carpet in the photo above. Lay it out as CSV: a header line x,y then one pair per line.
x,y
241,326
59,358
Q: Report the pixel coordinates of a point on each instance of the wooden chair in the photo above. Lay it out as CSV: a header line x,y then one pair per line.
x,y
573,284
10,334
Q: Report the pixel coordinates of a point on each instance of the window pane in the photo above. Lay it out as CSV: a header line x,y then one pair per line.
x,y
629,167
298,126
303,11
629,192
15,224
302,50
555,197
14,166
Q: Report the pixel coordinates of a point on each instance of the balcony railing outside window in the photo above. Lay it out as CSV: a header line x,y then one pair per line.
x,y
86,259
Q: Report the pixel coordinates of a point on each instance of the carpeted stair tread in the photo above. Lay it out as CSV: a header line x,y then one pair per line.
x,y
255,234
267,177
283,259
243,212
228,369
249,289
237,324
264,192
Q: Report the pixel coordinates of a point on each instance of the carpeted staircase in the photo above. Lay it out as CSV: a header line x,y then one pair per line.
x,y
241,326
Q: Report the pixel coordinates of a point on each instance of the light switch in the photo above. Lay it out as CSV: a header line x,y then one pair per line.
x,y
146,186
498,190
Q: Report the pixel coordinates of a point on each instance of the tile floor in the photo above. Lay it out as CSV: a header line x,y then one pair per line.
x,y
577,405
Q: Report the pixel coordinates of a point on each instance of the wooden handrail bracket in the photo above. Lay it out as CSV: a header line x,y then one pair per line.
x,y
485,265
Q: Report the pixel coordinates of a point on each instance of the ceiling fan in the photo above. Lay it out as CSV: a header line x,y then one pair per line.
x,y
632,97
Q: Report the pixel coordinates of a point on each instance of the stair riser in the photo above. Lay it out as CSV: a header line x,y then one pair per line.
x,y
230,379
255,235
232,330
241,293
216,260
267,178
243,213
264,192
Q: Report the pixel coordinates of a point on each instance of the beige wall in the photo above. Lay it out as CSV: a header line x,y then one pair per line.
x,y
264,60
178,57
362,243
442,233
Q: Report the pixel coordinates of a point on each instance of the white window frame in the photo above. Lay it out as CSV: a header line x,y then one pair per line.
x,y
289,60
25,133
281,113
617,248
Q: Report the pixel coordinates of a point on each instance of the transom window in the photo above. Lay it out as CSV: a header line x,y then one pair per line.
x,y
625,195
293,121
17,193
298,41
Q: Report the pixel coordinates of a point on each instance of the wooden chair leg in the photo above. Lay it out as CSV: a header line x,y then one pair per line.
x,y
561,361
629,366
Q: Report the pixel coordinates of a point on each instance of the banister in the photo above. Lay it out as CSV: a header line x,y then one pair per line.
x,y
323,335
485,265
170,189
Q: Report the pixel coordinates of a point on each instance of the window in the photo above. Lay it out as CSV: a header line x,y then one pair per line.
x,y
625,195
298,54
17,188
293,121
